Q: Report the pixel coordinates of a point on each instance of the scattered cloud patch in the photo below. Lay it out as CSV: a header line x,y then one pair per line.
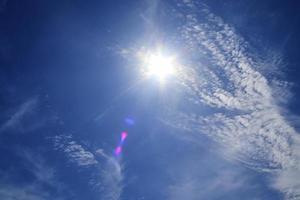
x,y
106,175
223,73
74,151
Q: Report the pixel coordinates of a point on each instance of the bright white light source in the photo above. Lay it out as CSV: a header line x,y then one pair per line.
x,y
159,66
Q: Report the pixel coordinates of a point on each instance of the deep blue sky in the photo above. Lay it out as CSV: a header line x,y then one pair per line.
x,y
64,96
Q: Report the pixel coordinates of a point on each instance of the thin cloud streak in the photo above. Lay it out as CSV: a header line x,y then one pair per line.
x,y
16,119
34,189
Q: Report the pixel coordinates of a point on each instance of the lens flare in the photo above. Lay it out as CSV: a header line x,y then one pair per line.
x,y
129,121
123,135
119,148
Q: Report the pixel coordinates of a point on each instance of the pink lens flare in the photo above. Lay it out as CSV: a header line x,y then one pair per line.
x,y
123,135
118,150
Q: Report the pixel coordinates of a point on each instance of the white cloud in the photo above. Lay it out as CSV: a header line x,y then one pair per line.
x,y
15,120
107,174
8,192
206,178
32,190
245,115
195,188
75,152
110,180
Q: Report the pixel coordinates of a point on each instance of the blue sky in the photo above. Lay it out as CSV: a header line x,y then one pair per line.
x,y
224,126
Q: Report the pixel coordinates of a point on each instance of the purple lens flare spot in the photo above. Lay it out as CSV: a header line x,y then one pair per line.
x,y
118,150
129,121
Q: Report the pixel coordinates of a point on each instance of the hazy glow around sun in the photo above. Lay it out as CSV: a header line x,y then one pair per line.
x,y
158,65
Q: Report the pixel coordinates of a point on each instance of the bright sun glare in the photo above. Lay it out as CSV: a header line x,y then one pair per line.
x,y
159,65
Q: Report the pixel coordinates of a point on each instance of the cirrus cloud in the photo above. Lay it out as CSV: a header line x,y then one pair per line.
x,y
224,74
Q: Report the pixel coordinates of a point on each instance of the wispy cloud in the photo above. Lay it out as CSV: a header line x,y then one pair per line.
x,y
38,189
111,177
75,152
228,77
193,187
10,192
15,120
106,177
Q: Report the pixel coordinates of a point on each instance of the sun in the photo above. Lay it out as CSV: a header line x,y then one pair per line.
x,y
159,65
